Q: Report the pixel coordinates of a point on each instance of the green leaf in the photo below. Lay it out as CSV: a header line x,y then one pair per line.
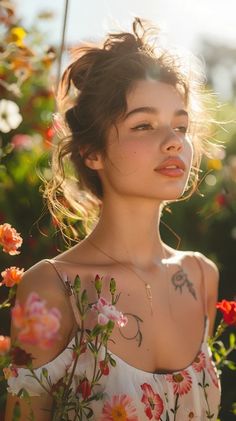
x,y
232,340
230,364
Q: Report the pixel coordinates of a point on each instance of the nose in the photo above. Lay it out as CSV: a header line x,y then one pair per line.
x,y
172,142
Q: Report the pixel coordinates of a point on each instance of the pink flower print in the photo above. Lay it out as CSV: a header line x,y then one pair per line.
x,y
182,382
213,373
200,362
107,311
38,326
119,408
152,401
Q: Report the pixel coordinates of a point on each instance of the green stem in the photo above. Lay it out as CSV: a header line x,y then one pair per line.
x,y
176,406
221,328
221,362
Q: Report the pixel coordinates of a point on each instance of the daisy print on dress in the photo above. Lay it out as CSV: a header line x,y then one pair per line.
x,y
182,383
152,401
200,362
119,408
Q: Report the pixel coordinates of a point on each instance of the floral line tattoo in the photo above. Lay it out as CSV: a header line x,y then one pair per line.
x,y
138,335
180,279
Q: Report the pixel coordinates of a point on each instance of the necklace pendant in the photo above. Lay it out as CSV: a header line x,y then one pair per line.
x,y
149,291
149,295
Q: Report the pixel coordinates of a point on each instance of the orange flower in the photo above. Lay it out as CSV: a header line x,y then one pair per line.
x,y
12,276
10,240
228,309
10,371
38,325
4,344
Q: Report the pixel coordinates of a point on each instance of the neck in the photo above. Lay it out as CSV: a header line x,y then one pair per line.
x,y
128,231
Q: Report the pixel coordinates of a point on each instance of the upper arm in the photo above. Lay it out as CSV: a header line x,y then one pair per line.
x,y
211,279
40,406
43,280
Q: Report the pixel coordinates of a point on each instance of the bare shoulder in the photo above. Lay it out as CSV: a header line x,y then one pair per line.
x,y
210,275
44,280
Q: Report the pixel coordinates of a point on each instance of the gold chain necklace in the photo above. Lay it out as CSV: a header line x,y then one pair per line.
x,y
148,287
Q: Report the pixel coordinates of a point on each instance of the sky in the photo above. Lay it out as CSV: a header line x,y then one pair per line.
x,y
184,22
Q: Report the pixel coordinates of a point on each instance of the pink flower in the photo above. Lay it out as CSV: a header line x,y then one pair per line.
x,y
38,326
181,382
12,276
107,311
10,240
22,141
213,373
152,401
119,408
200,362
5,343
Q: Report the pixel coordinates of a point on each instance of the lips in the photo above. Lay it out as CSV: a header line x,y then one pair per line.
x,y
172,167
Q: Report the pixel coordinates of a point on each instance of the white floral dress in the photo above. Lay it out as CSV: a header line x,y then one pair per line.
x,y
131,394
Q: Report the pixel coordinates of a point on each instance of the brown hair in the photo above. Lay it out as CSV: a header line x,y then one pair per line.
x,y
92,97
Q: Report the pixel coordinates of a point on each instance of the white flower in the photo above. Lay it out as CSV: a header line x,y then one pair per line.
x,y
107,311
10,118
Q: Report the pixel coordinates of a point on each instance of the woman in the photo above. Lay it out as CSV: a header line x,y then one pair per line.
x,y
135,144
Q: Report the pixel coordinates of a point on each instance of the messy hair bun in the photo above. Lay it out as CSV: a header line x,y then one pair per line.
x,y
92,97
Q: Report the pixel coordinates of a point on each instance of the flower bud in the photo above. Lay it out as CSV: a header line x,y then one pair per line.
x,y
84,298
84,388
77,284
104,367
112,286
45,372
98,284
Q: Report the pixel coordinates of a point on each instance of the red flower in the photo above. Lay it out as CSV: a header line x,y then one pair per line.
x,y
12,276
181,381
200,362
152,401
228,309
10,240
5,343
84,388
19,356
104,367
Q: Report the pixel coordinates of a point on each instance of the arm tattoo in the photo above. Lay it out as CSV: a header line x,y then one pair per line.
x,y
138,335
180,279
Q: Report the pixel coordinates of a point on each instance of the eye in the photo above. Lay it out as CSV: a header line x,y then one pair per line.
x,y
181,129
144,126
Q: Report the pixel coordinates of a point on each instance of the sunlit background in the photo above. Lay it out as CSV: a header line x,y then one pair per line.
x,y
190,24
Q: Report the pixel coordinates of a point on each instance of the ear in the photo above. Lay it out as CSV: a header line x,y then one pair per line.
x,y
94,161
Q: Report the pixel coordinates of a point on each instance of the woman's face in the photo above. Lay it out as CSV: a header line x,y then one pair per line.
x,y
149,153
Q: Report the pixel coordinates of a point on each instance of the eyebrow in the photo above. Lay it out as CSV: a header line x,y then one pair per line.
x,y
153,110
